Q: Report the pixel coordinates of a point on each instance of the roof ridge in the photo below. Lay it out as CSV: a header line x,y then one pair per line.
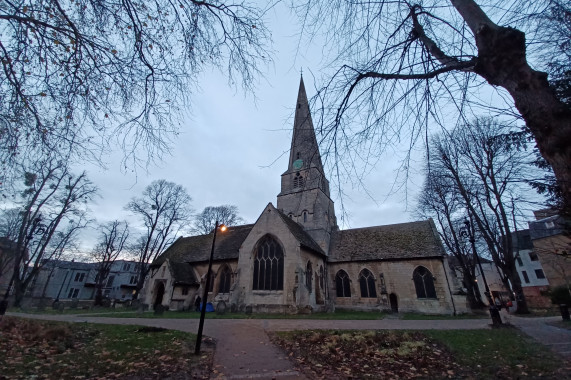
x,y
386,225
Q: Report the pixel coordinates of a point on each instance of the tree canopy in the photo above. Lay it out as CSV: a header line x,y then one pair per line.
x,y
87,74
397,69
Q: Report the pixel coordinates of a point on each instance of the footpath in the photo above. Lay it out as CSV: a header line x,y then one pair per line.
x,y
244,351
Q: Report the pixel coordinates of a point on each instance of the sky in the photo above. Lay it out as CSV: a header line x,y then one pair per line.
x,y
233,148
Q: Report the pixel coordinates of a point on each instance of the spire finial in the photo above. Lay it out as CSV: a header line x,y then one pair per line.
x,y
301,71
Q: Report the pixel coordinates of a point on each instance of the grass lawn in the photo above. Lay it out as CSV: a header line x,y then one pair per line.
x,y
337,315
68,310
415,316
56,350
467,354
344,315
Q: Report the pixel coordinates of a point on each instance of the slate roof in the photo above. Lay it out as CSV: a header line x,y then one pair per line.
x,y
391,242
194,249
182,273
300,234
553,225
74,265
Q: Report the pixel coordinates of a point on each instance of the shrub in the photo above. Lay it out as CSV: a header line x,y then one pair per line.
x,y
561,295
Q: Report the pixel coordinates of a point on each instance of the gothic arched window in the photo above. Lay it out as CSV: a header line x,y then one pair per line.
x,y
211,283
268,265
424,283
308,275
225,283
367,283
342,284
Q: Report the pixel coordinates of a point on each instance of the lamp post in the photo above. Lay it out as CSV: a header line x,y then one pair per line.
x,y
466,231
205,291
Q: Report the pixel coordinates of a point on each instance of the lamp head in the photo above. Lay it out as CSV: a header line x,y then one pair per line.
x,y
222,227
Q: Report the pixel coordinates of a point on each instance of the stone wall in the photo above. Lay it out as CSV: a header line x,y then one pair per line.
x,y
398,283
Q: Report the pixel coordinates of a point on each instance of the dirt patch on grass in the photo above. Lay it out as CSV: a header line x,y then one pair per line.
x,y
50,350
368,354
385,354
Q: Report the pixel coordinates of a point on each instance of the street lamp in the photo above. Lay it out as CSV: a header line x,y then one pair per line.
x,y
205,290
466,231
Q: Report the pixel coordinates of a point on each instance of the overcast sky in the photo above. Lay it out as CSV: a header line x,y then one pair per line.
x,y
233,148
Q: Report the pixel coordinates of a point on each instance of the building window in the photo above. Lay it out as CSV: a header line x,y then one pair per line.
x,y
519,262
133,280
321,277
185,290
308,275
126,266
79,277
525,276
298,180
73,292
424,283
268,265
367,283
342,284
539,273
225,279
533,256
211,283
304,216
110,281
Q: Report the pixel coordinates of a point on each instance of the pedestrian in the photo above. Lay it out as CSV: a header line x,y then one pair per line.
x,y
197,301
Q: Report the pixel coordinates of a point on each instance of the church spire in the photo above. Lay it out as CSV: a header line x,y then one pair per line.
x,y
304,195
304,151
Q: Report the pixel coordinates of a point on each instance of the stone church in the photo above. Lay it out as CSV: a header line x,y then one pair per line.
x,y
295,259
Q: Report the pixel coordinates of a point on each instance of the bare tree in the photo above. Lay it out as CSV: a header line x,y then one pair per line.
x,y
226,214
441,201
53,210
401,67
164,209
9,223
88,72
112,240
487,170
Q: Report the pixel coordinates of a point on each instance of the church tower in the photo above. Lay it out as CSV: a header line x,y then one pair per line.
x,y
304,195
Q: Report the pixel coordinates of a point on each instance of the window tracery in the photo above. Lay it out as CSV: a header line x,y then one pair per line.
x,y
342,284
424,283
367,284
268,265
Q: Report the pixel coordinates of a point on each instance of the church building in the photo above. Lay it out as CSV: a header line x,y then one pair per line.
x,y
295,259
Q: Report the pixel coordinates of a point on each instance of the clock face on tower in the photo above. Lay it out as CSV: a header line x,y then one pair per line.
x,y
297,164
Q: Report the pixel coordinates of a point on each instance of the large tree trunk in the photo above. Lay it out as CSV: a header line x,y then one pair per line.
x,y
502,62
473,292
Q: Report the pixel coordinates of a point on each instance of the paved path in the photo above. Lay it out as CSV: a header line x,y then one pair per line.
x,y
558,339
243,349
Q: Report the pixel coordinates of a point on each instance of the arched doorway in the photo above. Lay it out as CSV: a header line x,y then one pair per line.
x,y
394,303
160,292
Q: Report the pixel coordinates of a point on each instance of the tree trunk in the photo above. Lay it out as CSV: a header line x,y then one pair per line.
x,y
19,289
502,62
516,287
473,293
